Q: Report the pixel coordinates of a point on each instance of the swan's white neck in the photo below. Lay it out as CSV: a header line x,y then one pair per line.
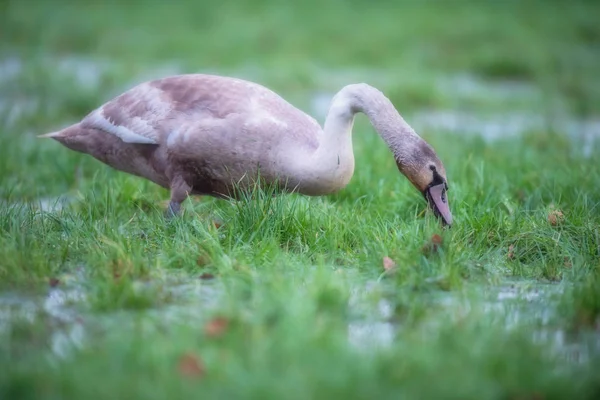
x,y
332,164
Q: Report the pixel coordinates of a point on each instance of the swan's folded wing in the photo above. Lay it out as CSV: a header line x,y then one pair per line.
x,y
135,116
154,111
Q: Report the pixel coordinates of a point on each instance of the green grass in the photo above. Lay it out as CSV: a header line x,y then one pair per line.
x,y
297,278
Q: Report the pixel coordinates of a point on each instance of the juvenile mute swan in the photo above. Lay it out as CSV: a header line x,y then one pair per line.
x,y
204,135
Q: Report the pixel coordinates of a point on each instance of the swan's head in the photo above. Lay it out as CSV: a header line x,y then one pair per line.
x,y
426,172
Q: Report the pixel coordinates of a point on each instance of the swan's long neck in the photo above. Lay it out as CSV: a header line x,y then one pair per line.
x,y
334,159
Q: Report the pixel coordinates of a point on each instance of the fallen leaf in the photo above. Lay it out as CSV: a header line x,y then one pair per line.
x,y
511,252
436,239
216,327
433,245
388,263
54,282
567,262
191,366
207,276
217,223
555,217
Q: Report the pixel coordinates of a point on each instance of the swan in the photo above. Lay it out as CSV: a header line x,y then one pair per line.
x,y
198,134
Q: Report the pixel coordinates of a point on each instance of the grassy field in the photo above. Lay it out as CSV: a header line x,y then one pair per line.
x,y
288,297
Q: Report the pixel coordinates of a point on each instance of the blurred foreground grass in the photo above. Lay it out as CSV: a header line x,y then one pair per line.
x,y
289,298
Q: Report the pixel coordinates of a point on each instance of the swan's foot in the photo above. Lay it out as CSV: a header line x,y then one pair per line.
x,y
180,191
173,210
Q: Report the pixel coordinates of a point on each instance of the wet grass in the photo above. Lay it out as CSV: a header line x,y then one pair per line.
x,y
264,297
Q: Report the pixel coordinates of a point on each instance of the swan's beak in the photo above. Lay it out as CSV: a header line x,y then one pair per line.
x,y
436,197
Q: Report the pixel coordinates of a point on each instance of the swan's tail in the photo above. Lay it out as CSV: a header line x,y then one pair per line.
x,y
50,135
72,137
64,133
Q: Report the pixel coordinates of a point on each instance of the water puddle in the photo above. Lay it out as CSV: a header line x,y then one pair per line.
x,y
465,85
68,322
530,305
505,125
56,307
50,205
371,326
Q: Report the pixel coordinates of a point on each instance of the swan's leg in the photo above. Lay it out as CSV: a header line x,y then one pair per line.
x,y
180,191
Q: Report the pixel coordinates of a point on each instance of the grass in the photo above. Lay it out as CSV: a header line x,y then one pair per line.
x,y
286,296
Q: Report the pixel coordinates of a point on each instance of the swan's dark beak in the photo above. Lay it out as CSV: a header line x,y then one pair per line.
x,y
436,197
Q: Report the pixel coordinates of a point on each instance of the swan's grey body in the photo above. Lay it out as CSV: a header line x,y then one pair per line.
x,y
205,134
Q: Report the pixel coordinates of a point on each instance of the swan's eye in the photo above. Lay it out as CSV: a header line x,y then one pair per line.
x,y
432,167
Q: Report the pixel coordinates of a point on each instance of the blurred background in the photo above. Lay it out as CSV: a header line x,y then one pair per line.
x,y
534,58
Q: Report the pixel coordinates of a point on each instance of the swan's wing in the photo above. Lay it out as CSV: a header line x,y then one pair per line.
x,y
151,112
135,116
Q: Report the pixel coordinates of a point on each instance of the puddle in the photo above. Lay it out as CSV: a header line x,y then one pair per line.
x,y
56,306
65,308
371,327
53,204
86,73
43,204
10,68
503,125
13,110
535,305
523,304
371,335
465,85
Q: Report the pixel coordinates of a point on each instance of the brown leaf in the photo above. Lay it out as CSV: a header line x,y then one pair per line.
x,y
388,263
555,217
53,282
216,327
436,239
217,223
191,366
207,276
511,252
433,245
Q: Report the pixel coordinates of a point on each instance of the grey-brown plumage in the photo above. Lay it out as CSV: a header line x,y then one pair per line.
x,y
205,135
